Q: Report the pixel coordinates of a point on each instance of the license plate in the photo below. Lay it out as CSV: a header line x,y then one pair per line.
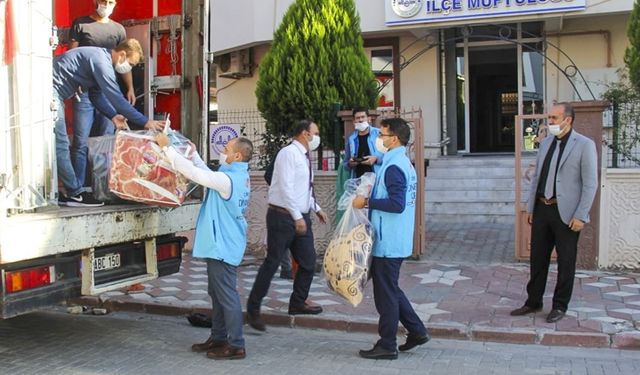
x,y
106,262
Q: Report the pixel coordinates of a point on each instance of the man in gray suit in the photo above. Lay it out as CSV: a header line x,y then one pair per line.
x,y
561,196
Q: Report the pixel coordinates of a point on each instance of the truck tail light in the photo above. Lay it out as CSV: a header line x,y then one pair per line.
x,y
168,250
30,278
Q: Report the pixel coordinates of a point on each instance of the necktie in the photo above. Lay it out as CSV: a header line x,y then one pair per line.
x,y
313,193
551,176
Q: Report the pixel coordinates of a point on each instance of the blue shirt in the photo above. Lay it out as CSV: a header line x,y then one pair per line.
x,y
91,69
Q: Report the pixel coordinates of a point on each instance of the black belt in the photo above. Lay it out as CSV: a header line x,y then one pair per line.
x,y
548,202
283,210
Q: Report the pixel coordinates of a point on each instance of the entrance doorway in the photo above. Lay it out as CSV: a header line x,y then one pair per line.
x,y
493,73
493,98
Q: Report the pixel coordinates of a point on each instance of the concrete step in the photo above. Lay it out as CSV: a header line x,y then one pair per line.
x,y
470,208
449,184
449,162
470,172
469,218
471,196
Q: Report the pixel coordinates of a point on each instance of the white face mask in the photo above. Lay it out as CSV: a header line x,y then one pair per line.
x,y
124,67
362,126
554,129
314,143
223,159
104,10
380,145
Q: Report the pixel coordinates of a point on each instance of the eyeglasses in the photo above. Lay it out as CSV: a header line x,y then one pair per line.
x,y
386,135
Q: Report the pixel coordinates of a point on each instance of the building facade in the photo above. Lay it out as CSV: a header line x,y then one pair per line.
x,y
471,65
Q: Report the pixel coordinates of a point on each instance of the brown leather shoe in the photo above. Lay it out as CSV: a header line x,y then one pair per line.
x,y
524,310
210,344
227,352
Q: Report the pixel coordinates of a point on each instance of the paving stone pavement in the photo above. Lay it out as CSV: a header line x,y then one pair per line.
x,y
476,243
460,301
129,343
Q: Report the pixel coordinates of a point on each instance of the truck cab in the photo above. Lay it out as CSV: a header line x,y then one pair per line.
x,y
50,253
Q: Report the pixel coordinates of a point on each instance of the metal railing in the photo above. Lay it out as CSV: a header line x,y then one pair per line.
x,y
622,137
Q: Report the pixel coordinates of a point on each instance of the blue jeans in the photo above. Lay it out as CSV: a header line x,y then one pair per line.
x,y
85,117
226,314
66,173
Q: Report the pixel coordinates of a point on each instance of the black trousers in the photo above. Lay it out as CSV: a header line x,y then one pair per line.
x,y
391,302
548,231
281,236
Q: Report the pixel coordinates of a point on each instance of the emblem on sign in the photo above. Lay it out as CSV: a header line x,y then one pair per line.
x,y
406,8
221,136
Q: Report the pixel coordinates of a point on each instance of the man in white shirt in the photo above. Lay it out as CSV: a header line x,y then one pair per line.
x,y
291,201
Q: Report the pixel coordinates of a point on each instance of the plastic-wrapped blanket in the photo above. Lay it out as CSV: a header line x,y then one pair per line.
x,y
141,173
348,256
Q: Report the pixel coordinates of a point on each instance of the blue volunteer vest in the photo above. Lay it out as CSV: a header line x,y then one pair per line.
x,y
394,231
371,141
221,230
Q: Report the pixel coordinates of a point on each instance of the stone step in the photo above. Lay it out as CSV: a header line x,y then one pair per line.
x,y
472,196
449,184
470,218
470,172
470,208
448,162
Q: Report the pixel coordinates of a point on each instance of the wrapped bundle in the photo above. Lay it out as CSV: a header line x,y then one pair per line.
x,y
348,256
100,157
141,173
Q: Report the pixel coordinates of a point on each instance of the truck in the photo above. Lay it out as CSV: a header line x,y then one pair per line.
x,y
49,254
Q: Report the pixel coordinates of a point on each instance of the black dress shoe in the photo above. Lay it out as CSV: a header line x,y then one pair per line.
x,y
254,320
413,341
555,315
305,310
379,353
208,345
524,310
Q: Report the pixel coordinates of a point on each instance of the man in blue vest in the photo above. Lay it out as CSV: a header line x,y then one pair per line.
x,y
221,238
360,153
392,213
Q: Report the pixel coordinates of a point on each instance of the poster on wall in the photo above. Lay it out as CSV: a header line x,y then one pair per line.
x,y
219,136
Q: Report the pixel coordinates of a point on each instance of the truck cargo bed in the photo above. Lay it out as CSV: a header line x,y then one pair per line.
x,y
58,230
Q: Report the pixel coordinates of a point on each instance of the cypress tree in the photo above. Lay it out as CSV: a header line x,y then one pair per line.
x,y
632,54
317,59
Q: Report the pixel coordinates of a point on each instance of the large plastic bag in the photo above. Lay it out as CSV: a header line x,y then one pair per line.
x,y
100,157
348,256
140,172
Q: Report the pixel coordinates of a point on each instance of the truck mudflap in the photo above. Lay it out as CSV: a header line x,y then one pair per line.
x,y
32,285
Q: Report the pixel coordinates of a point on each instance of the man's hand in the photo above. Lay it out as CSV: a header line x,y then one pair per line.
x,y
530,218
359,202
120,122
301,227
352,163
322,216
369,160
131,96
576,225
154,125
162,140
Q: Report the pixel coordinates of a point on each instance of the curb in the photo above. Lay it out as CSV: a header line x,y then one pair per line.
x,y
627,340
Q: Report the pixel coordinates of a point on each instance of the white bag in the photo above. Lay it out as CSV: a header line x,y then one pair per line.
x,y
348,256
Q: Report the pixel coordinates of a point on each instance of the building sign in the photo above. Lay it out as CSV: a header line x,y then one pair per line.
x,y
399,12
219,136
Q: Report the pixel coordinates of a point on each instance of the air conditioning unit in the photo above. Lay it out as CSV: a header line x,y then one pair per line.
x,y
236,64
